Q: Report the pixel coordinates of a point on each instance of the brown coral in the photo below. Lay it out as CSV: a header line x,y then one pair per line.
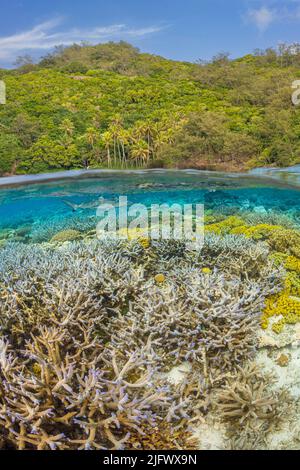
x,y
250,408
65,236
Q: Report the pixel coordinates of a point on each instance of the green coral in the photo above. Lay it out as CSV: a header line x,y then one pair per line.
x,y
66,235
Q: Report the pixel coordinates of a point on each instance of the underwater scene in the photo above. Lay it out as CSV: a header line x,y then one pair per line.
x,y
137,343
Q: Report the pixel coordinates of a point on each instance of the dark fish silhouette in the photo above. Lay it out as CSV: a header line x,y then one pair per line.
x,y
91,204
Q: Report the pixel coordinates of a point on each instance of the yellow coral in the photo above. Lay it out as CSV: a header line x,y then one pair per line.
x,y
225,226
206,270
292,263
282,304
257,232
291,319
133,233
278,327
36,368
287,302
145,242
286,241
264,322
160,278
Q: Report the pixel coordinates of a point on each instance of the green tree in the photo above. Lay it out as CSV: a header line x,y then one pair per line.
x,y
10,153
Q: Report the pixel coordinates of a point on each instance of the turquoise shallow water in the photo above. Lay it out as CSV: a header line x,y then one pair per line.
x,y
164,310
46,206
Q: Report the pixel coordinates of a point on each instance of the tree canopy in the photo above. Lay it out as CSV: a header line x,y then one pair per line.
x,y
112,106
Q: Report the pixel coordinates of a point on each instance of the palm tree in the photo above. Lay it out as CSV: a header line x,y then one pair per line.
x,y
115,129
89,139
91,136
140,152
124,139
150,131
67,127
107,140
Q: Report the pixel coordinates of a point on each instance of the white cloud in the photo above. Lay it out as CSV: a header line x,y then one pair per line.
x,y
45,36
272,11
262,17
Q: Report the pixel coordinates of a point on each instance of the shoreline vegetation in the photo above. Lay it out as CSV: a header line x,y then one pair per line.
x,y
111,106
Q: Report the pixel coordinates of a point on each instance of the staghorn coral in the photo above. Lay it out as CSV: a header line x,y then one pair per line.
x,y
74,399
69,312
209,320
42,232
162,436
270,218
250,408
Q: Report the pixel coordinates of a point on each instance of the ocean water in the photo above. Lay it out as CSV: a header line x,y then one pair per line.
x,y
38,206
32,211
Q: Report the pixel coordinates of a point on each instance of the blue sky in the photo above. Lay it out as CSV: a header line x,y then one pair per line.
x,y
178,29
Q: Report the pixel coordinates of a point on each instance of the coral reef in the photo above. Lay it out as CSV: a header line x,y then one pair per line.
x,y
285,304
90,330
68,397
65,236
162,436
42,232
286,241
250,408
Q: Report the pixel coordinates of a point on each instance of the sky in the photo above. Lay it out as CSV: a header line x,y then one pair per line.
x,y
177,29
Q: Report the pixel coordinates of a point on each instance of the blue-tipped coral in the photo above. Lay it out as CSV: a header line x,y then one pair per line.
x,y
69,312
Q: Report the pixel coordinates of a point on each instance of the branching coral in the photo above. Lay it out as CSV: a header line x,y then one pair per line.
x,y
250,408
68,396
162,436
88,331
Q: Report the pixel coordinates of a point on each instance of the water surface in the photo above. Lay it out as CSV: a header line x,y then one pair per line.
x,y
38,207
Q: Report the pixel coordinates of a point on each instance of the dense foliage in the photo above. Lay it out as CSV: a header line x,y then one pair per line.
x,y
112,106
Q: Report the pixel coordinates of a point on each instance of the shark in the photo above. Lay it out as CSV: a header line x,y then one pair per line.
x,y
92,204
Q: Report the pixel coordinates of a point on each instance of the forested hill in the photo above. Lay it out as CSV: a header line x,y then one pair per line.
x,y
111,106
